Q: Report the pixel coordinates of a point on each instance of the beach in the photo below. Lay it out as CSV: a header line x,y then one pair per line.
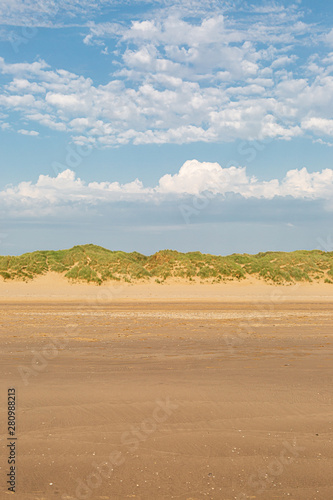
x,y
55,287
166,263
177,391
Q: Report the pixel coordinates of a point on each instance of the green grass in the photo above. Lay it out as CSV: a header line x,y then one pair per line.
x,y
94,264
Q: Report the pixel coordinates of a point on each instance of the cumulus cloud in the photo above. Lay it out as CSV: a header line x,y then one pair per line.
x,y
213,76
319,125
51,194
169,108
28,132
195,178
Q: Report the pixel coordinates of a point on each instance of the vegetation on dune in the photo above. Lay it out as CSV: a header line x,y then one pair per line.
x,y
91,263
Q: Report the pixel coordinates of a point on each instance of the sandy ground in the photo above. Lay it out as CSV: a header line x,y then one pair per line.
x,y
169,399
54,286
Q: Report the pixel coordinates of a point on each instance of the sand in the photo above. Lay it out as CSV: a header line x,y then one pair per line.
x,y
54,286
179,394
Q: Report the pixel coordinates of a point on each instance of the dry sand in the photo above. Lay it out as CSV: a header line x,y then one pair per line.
x,y
54,286
191,396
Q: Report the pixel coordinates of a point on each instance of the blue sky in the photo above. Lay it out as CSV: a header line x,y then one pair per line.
x,y
193,125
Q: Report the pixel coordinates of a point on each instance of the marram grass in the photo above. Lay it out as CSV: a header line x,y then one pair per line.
x,y
91,263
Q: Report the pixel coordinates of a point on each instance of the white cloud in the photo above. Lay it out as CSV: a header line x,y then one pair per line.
x,y
34,13
328,37
54,194
46,120
283,61
22,68
212,77
325,143
195,177
168,108
319,125
28,132
59,13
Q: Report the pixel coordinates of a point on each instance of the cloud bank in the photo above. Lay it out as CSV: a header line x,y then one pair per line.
x,y
54,195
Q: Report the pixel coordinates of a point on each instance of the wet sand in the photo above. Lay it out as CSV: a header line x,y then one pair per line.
x,y
169,399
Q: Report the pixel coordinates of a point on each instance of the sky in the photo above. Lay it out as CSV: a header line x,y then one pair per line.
x,y
144,125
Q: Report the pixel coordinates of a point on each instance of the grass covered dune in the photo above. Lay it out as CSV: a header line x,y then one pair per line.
x,y
91,263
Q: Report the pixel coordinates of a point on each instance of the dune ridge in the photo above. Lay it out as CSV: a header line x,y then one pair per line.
x,y
95,264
